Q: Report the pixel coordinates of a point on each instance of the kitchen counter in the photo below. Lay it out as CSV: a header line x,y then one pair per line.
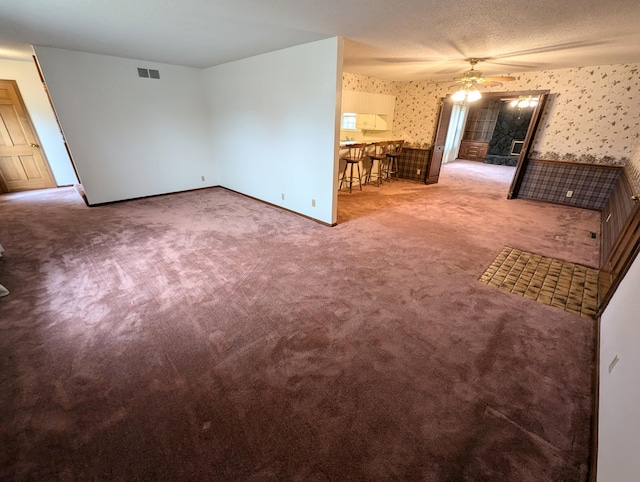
x,y
413,163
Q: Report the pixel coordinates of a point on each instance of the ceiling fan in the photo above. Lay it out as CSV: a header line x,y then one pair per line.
x,y
440,68
470,79
472,76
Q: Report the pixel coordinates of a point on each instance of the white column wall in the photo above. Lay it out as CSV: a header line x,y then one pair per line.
x,y
130,136
619,400
275,125
44,121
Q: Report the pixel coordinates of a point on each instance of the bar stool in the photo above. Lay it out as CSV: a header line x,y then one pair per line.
x,y
354,155
379,154
394,149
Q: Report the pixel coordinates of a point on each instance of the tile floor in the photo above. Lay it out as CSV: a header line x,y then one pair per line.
x,y
568,286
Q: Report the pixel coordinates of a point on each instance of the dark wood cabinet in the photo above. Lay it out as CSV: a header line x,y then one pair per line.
x,y
473,150
478,130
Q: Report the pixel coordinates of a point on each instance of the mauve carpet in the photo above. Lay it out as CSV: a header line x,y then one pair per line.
x,y
208,336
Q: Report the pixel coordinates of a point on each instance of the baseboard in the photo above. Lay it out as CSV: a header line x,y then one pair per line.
x,y
280,207
141,197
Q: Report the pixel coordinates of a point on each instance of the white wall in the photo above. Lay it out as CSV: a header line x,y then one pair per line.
x,y
275,124
42,117
263,126
619,411
130,137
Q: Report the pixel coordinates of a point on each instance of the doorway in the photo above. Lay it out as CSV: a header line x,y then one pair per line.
x,y
456,131
483,125
23,165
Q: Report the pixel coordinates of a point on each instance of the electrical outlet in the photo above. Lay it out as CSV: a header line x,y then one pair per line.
x,y
202,178
313,203
569,193
283,196
418,173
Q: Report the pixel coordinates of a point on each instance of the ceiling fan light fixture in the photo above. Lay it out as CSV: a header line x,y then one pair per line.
x,y
524,101
466,94
459,96
473,95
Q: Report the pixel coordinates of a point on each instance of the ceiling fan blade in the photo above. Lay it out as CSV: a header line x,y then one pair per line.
x,y
416,60
401,60
506,64
549,48
506,78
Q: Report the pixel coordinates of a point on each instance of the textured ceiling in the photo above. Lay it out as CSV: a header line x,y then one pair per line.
x,y
398,40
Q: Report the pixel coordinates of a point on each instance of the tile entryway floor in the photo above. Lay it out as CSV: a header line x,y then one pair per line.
x,y
554,282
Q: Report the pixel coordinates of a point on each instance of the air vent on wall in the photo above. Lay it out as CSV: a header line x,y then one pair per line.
x,y
148,73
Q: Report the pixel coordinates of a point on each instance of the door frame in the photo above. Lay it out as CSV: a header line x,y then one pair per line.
x,y
523,159
440,135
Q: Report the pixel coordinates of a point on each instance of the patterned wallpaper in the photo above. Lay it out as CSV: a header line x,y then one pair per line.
x,y
417,109
632,168
592,114
368,84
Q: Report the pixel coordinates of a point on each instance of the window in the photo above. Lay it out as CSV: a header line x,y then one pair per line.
x,y
349,121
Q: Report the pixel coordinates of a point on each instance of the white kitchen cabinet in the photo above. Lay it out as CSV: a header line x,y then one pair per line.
x,y
371,122
374,111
